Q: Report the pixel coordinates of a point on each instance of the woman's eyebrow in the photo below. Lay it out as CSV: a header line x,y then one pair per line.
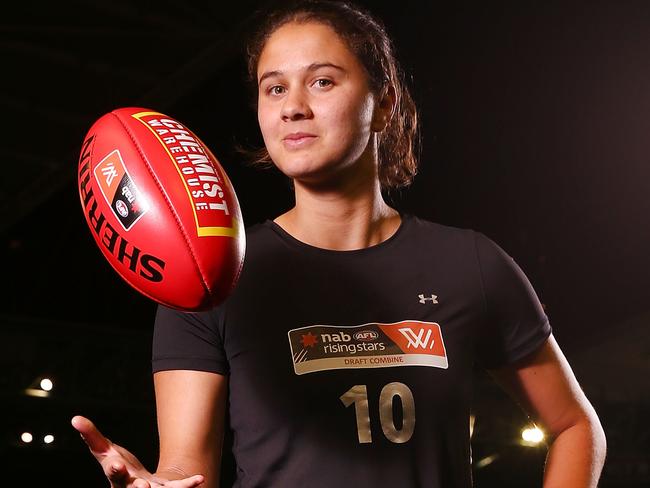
x,y
316,66
311,67
269,74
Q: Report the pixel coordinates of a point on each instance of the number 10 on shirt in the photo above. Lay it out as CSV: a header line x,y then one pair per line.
x,y
358,395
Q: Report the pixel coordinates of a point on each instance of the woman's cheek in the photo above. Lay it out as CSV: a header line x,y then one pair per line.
x,y
264,117
267,131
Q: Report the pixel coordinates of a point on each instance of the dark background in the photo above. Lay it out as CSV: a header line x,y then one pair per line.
x,y
535,121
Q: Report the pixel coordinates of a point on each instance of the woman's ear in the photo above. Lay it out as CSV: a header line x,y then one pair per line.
x,y
384,109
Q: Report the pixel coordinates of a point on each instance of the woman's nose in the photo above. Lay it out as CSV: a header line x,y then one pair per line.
x,y
296,106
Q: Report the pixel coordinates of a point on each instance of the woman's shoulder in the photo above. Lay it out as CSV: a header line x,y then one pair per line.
x,y
258,229
430,227
457,239
264,237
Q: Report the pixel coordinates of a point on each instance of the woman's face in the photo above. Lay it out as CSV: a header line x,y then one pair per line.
x,y
315,108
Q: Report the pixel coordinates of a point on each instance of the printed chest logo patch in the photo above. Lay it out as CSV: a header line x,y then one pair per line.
x,y
406,343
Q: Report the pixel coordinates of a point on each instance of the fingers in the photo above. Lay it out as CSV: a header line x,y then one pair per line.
x,y
116,472
97,443
191,482
194,481
114,460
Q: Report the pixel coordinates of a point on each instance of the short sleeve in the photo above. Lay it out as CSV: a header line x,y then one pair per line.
x,y
184,340
515,324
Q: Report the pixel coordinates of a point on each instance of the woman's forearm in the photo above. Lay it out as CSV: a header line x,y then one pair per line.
x,y
576,456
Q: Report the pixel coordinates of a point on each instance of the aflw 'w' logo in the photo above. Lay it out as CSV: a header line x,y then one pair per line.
x,y
109,172
422,339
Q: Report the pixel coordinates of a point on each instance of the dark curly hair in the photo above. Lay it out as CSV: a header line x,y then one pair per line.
x,y
367,38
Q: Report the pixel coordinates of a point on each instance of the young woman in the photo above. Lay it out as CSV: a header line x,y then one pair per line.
x,y
345,354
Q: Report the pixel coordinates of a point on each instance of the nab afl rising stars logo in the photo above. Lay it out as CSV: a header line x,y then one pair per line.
x,y
375,345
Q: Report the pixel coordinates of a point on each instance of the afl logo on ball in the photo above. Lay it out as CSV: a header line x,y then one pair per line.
x,y
119,190
121,208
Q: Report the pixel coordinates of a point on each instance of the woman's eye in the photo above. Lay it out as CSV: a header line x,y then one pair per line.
x,y
276,90
323,83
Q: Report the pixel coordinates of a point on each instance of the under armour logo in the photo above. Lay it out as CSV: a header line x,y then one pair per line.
x,y
432,298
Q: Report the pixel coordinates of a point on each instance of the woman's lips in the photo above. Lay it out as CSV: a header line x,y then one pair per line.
x,y
298,139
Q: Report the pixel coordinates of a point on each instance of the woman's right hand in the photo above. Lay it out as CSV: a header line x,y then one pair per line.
x,y
121,467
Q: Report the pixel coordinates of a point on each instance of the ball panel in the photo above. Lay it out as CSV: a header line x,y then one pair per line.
x,y
205,198
133,246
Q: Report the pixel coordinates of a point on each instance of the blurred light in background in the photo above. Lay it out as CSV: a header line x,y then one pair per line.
x,y
36,392
532,436
46,384
48,439
26,437
486,461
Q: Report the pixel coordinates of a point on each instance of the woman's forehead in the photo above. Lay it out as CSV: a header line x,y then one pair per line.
x,y
299,45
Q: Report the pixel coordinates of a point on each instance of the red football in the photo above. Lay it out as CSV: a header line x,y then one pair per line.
x,y
161,208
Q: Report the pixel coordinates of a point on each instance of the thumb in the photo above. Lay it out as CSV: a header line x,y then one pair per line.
x,y
97,443
196,480
191,482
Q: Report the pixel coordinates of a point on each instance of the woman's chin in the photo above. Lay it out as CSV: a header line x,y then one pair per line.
x,y
302,169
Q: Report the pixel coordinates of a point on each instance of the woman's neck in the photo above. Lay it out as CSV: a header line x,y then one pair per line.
x,y
353,217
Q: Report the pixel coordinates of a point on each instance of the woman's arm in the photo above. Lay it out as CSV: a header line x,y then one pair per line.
x,y
191,409
547,389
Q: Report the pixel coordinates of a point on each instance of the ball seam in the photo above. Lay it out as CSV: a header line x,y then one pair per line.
x,y
179,223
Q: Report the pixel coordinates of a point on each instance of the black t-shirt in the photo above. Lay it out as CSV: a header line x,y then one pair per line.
x,y
354,368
